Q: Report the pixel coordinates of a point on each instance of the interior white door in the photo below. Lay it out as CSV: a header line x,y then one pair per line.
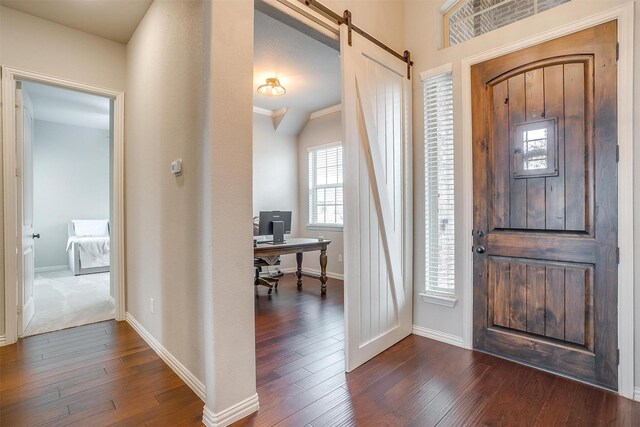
x,y
24,159
376,101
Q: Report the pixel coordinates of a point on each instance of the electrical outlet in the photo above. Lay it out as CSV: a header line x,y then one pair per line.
x,y
340,258
152,305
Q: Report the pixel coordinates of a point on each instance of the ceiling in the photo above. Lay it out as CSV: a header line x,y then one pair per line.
x,y
307,68
112,19
54,104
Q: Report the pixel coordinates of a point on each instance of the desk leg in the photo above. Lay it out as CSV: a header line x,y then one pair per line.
x,y
323,270
299,270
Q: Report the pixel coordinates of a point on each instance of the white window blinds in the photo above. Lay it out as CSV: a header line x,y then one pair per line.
x,y
439,183
325,185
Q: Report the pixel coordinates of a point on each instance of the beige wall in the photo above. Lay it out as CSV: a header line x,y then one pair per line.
x,y
275,174
422,38
41,46
165,119
322,130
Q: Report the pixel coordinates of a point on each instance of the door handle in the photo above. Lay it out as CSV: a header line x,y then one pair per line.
x,y
36,236
480,249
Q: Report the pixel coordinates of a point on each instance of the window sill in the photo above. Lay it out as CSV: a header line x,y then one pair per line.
x,y
330,227
439,299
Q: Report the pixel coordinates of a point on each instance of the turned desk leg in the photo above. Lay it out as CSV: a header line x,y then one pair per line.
x,y
323,270
299,270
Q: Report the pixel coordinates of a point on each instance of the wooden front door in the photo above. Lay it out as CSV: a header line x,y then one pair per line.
x,y
545,206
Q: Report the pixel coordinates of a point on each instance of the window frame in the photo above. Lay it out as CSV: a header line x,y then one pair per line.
x,y
312,202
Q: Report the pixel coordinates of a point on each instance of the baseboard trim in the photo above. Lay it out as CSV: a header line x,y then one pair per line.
x,y
438,336
636,394
330,275
231,414
3,340
52,268
187,376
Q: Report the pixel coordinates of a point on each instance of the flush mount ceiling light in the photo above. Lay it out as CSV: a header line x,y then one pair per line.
x,y
272,88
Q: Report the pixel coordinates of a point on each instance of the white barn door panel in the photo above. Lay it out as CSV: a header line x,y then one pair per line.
x,y
376,99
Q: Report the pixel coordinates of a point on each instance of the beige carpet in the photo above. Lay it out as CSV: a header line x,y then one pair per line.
x,y
63,300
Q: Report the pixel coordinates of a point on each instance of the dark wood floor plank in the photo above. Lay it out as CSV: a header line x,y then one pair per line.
x,y
106,375
98,374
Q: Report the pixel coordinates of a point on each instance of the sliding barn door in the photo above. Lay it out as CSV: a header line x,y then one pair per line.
x,y
545,206
376,100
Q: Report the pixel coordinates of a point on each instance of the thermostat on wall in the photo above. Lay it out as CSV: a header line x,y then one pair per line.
x,y
176,167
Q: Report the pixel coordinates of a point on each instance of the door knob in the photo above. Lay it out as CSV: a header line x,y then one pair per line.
x,y
480,249
36,236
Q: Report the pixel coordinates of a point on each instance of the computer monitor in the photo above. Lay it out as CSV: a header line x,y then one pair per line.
x,y
276,224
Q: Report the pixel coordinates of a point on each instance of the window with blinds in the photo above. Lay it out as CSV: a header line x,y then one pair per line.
x,y
325,186
467,19
439,183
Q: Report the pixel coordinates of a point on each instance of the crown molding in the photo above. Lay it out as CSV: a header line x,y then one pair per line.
x,y
269,113
325,111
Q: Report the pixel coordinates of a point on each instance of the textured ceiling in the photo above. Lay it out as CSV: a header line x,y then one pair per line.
x,y
53,104
112,19
308,69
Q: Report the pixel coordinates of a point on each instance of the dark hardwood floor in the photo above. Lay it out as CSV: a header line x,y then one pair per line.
x,y
105,374
95,375
418,382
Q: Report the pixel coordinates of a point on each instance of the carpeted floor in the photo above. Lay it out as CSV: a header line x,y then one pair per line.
x,y
63,300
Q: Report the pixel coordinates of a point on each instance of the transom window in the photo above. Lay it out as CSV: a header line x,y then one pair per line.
x,y
467,19
325,185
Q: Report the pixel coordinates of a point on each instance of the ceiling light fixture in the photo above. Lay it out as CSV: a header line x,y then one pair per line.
x,y
272,88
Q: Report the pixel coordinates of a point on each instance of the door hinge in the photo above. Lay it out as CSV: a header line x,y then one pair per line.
x,y
618,255
617,154
617,356
17,172
617,51
18,310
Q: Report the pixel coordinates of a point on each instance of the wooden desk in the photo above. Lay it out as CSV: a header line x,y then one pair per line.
x,y
296,245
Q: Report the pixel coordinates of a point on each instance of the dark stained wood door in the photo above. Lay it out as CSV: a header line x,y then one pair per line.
x,y
545,206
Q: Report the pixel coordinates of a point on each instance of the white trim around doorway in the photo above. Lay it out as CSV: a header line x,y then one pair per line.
x,y
9,77
624,15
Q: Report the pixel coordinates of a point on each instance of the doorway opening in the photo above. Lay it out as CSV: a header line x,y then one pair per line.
x,y
65,157
63,203
297,178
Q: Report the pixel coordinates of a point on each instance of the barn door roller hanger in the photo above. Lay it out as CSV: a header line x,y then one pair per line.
x,y
346,19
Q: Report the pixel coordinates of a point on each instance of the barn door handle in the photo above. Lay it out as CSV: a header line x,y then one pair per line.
x,y
480,249
36,236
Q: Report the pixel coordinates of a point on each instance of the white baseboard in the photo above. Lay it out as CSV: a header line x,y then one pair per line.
x,y
438,336
52,268
636,394
231,414
314,271
3,340
194,383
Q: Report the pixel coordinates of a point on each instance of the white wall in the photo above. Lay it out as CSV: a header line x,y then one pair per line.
x,y
319,131
70,181
165,119
275,174
423,40
41,46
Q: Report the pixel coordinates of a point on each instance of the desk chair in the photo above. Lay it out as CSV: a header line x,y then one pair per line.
x,y
264,278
